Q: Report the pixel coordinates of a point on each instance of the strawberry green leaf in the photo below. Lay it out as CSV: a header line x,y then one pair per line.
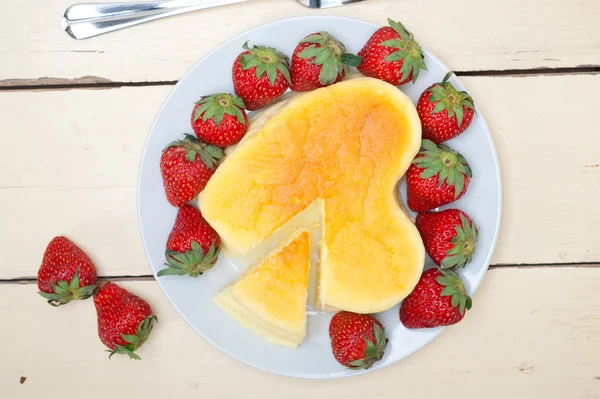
x,y
193,262
266,60
459,114
284,70
449,166
131,339
438,108
351,59
329,53
261,69
208,154
216,106
409,52
74,284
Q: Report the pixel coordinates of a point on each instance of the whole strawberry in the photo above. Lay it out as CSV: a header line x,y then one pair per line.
x,y
220,119
436,177
439,299
66,273
450,237
357,341
124,319
392,54
320,60
186,166
444,111
193,245
260,75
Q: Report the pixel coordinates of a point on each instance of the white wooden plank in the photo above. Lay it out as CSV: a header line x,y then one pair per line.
x,y
69,164
466,34
532,333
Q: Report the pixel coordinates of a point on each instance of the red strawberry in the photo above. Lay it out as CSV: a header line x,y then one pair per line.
x,y
444,111
439,299
260,75
220,119
437,176
193,246
66,273
320,60
186,166
358,341
392,54
450,237
124,319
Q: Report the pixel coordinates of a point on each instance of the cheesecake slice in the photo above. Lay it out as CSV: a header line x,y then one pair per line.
x,y
270,297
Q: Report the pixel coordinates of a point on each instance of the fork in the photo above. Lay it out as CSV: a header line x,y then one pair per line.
x,y
82,21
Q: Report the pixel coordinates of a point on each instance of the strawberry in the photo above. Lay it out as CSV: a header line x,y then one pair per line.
x,y
392,54
439,299
220,119
186,166
358,341
260,75
66,273
444,111
193,245
320,60
450,237
124,319
436,177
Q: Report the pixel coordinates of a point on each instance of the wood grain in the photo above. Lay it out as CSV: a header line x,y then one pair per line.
x,y
532,333
70,161
466,34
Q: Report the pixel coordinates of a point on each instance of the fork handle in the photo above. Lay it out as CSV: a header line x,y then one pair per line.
x,y
82,21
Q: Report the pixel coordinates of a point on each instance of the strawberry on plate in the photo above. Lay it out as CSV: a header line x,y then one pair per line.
x,y
66,273
436,177
193,246
392,54
186,166
357,341
439,299
124,319
320,60
444,111
260,75
220,119
450,237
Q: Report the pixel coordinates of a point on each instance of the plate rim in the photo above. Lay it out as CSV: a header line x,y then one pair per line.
x,y
435,334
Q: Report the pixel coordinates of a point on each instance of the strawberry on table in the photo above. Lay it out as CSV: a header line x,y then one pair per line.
x,y
436,177
66,273
450,237
220,119
124,319
444,111
193,246
439,299
260,75
357,341
320,60
392,54
186,166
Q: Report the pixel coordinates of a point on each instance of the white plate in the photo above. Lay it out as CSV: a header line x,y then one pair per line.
x,y
192,297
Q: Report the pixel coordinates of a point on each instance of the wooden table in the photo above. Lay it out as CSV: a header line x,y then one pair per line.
x,y
74,120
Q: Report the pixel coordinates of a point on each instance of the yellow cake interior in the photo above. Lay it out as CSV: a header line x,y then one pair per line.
x,y
270,297
347,144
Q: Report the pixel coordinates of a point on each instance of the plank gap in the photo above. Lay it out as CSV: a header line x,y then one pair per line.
x,y
73,84
149,277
